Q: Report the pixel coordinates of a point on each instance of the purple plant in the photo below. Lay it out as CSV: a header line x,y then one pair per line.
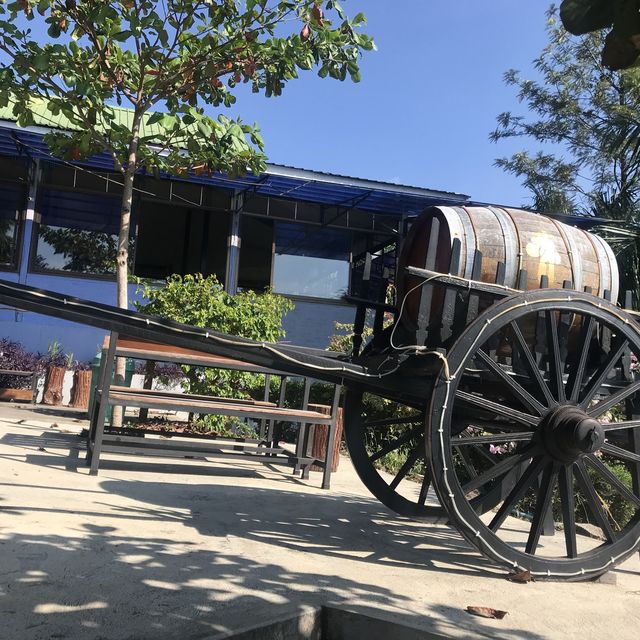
x,y
14,357
166,372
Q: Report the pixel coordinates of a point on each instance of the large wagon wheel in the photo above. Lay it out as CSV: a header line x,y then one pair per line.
x,y
545,382
381,433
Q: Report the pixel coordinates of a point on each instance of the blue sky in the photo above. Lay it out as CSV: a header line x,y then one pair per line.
x,y
427,102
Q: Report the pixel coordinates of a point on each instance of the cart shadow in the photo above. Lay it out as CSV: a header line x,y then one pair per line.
x,y
340,526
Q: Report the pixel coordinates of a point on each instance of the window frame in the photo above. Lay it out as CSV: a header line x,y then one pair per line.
x,y
311,298
35,235
18,233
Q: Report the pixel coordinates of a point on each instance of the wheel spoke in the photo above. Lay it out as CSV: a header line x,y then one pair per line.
x,y
532,365
406,467
543,503
518,491
568,504
398,442
376,424
488,405
593,501
576,373
424,488
613,400
481,450
522,436
619,452
612,479
618,426
467,463
555,360
518,391
603,371
500,469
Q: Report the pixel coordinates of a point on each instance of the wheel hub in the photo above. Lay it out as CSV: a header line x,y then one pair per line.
x,y
569,433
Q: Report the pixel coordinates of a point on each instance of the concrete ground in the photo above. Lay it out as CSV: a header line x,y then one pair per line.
x,y
184,549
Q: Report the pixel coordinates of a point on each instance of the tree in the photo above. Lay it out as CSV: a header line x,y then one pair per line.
x,y
173,56
578,113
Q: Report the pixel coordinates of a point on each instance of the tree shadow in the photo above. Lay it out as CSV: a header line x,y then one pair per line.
x,y
102,584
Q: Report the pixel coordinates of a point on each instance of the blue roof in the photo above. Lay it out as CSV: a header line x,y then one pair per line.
x,y
278,181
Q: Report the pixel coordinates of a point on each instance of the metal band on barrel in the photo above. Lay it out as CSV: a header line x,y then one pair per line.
x,y
470,235
575,259
510,236
456,230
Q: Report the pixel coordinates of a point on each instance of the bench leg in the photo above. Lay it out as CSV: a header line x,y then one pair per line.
x,y
95,447
331,439
300,445
328,456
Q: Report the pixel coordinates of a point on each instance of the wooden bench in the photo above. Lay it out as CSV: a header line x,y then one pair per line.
x,y
269,415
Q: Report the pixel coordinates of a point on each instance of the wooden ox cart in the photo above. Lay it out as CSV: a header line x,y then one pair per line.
x,y
503,392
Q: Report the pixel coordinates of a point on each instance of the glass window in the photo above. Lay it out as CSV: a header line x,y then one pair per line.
x,y
311,261
175,239
11,202
78,232
256,253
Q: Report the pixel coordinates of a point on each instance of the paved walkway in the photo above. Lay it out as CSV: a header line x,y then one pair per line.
x,y
187,550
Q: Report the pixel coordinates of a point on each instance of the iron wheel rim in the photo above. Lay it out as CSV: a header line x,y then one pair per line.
x,y
541,465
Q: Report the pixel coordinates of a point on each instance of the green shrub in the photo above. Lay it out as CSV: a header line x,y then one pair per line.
x,y
342,340
203,302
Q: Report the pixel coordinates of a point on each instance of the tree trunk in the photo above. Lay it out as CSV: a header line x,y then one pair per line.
x,y
81,389
53,385
122,260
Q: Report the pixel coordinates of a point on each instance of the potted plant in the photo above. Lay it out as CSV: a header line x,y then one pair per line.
x,y
81,389
57,364
21,385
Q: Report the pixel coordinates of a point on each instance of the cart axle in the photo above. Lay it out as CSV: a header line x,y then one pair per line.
x,y
568,433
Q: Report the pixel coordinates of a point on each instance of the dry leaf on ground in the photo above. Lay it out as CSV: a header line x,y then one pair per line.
x,y
487,612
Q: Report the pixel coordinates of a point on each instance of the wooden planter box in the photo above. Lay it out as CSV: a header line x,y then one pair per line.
x,y
81,389
53,385
19,395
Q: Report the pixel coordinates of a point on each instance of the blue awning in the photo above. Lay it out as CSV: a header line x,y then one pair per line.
x,y
277,182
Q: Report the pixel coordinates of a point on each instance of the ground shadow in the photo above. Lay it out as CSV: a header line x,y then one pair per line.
x,y
96,582
102,585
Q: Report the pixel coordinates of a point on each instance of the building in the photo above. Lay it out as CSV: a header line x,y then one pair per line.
x,y
303,233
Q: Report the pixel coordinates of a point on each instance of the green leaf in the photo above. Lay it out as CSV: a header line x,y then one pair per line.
x,y
121,36
54,30
156,117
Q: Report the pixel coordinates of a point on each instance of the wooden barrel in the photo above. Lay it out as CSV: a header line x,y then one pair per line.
x,y
522,240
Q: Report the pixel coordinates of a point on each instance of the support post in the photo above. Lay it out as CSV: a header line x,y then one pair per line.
x,y
233,245
28,220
